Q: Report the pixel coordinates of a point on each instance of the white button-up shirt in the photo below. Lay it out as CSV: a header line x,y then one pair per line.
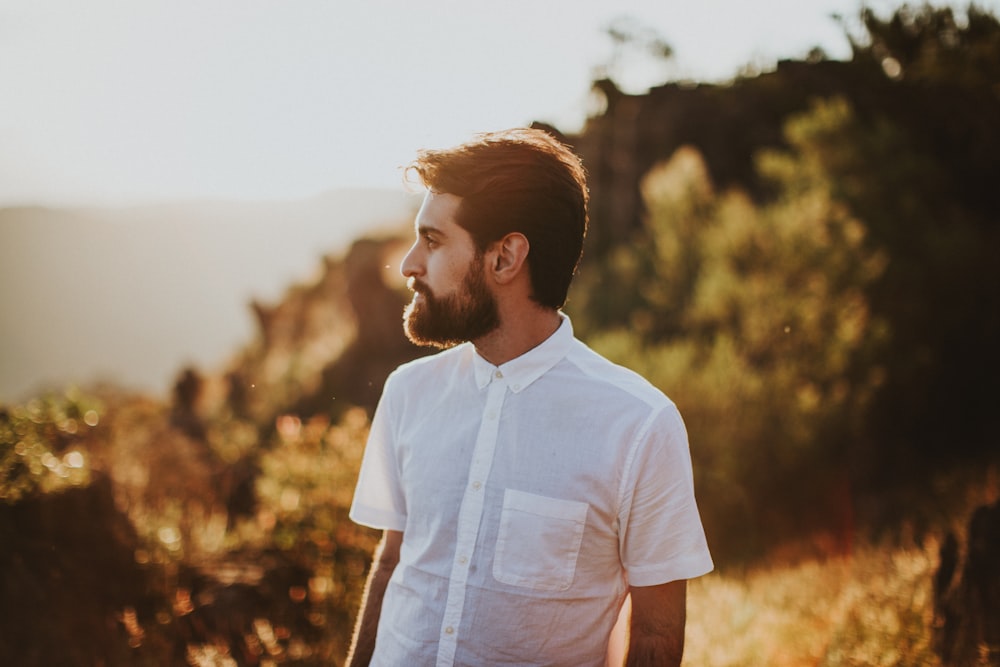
x,y
530,496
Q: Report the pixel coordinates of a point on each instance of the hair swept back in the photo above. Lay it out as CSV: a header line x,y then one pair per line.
x,y
518,180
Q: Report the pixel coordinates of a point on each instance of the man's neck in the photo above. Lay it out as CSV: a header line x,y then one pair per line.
x,y
517,334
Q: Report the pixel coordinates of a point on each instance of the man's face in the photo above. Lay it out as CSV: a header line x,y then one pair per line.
x,y
451,300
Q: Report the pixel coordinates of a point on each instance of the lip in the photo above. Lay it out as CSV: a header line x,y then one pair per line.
x,y
419,290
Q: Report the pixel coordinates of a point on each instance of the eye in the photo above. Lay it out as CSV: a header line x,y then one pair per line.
x,y
430,242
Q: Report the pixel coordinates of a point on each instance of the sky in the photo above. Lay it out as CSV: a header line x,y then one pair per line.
x,y
116,102
275,104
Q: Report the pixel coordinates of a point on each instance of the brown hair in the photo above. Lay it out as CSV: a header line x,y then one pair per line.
x,y
519,180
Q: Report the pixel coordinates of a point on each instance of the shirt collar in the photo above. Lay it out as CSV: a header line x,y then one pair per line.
x,y
520,372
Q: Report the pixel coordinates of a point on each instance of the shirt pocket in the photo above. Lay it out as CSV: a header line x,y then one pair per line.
x,y
538,541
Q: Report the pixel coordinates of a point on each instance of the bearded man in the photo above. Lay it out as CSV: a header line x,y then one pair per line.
x,y
526,486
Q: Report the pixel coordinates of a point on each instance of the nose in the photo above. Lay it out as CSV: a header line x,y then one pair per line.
x,y
410,266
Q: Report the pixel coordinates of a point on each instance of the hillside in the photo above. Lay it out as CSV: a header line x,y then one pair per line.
x,y
129,295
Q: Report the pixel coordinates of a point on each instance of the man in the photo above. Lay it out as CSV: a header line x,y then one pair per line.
x,y
524,484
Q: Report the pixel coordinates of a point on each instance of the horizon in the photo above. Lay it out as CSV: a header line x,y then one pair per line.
x,y
131,296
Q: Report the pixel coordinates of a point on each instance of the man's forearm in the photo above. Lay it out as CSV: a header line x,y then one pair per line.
x,y
363,642
661,651
656,628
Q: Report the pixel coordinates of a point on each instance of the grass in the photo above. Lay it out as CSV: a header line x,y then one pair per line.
x,y
872,608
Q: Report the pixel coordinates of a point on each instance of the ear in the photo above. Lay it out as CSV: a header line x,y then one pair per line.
x,y
508,257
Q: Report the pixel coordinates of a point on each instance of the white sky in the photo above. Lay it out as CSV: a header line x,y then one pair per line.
x,y
124,101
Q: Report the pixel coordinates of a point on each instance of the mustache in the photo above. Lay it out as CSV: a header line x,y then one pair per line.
x,y
420,286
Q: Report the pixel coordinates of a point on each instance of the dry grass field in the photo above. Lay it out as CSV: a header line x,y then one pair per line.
x,y
872,608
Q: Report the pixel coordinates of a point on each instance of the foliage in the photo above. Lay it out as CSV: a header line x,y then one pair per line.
x,y
293,563
937,297
828,323
931,44
42,444
753,317
126,490
305,492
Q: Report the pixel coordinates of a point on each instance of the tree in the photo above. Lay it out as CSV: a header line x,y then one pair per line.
x,y
932,45
754,317
634,48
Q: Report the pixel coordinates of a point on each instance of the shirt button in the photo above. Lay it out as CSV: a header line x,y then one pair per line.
x,y
449,630
516,387
462,560
476,486
491,415
499,375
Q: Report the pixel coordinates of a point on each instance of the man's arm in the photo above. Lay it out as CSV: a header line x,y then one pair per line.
x,y
656,631
386,558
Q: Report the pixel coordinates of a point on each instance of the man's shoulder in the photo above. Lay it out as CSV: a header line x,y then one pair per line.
x,y
615,378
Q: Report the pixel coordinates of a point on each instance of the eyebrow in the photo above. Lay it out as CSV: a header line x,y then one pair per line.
x,y
428,230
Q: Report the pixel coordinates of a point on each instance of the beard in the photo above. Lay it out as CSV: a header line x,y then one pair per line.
x,y
448,321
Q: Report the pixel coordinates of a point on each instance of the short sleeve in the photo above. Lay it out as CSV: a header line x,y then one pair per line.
x,y
378,497
661,538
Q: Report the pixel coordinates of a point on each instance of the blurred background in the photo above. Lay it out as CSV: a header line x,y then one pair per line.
x,y
793,228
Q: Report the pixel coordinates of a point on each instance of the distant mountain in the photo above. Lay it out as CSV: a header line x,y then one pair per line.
x,y
130,295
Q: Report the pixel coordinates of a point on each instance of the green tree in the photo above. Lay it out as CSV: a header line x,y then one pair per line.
x,y
43,444
754,318
931,45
